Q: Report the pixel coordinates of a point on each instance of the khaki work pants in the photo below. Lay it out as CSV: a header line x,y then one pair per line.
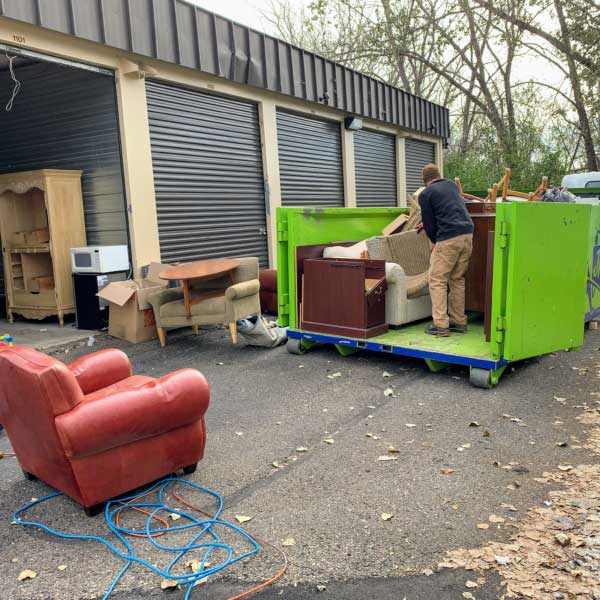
x,y
449,264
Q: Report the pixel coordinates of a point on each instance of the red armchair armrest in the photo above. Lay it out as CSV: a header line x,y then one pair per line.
x,y
100,369
134,411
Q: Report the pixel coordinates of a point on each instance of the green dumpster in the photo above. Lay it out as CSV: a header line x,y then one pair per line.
x,y
540,269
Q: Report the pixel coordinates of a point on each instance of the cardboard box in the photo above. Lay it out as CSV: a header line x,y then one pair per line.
x,y
130,316
396,225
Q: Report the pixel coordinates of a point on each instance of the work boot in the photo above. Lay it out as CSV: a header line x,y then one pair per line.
x,y
454,328
439,331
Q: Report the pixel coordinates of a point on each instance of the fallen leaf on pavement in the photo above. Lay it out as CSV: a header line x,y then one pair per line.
x,y
502,560
242,519
301,449
388,392
61,567
321,588
174,517
329,440
289,542
168,584
496,519
26,574
468,595
565,467
386,458
334,375
483,526
387,516
562,444
386,374
510,507
410,425
427,572
393,450
446,471
471,584
473,424
278,465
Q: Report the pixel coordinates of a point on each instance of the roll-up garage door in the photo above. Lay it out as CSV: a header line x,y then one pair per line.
x,y
66,118
375,168
418,154
310,161
208,175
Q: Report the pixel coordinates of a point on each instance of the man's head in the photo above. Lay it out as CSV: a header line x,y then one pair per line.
x,y
431,173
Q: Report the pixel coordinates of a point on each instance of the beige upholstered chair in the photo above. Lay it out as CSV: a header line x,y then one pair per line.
x,y
224,303
407,257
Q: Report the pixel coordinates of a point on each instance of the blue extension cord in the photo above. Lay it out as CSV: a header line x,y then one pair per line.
x,y
206,527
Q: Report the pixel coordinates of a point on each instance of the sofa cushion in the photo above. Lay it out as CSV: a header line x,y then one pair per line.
x,y
176,309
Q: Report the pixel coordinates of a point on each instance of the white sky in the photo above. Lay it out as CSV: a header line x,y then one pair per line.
x,y
246,12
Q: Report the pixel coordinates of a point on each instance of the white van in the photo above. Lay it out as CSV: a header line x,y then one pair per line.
x,y
579,181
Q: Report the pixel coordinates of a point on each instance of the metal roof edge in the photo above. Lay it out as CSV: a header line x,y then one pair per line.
x,y
178,32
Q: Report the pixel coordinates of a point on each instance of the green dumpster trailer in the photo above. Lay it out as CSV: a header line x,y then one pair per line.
x,y
545,283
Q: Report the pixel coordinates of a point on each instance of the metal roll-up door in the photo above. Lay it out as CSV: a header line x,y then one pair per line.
x,y
310,161
208,175
418,154
375,168
66,118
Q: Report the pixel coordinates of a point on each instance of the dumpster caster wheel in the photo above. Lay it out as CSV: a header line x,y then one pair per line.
x,y
481,378
294,346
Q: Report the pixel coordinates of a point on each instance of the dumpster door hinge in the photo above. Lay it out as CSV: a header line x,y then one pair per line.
x,y
503,234
284,305
282,234
500,328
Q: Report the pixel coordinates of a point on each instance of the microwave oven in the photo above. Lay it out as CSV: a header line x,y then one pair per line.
x,y
99,259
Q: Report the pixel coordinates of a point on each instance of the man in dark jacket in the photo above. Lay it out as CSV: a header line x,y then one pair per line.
x,y
448,226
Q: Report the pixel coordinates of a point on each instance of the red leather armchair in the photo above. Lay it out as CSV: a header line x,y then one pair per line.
x,y
94,431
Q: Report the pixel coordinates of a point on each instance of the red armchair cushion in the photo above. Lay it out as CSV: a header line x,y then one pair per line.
x,y
100,369
131,410
26,369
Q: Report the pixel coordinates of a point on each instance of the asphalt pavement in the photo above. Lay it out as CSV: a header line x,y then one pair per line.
x,y
452,442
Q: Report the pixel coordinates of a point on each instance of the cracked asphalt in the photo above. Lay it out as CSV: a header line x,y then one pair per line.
x,y
265,404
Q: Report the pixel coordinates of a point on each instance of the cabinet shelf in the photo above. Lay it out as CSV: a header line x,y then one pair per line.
x,y
42,249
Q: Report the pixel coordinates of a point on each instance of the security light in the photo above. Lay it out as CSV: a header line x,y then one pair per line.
x,y
353,123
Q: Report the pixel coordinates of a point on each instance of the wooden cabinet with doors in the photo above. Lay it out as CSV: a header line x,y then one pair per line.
x,y
41,219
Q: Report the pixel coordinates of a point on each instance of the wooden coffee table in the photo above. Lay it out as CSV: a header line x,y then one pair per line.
x,y
201,270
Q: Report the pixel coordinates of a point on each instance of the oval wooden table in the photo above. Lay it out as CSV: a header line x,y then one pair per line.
x,y
201,270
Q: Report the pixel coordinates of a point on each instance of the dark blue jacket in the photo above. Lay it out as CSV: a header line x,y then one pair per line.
x,y
444,212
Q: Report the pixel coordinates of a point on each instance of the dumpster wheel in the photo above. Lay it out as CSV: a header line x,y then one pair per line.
x,y
481,378
486,378
294,346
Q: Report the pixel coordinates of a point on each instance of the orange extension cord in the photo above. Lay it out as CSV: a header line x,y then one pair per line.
x,y
249,592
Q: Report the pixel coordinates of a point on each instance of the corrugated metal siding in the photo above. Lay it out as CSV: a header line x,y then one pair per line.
x,y
67,119
310,161
418,154
176,31
375,168
208,175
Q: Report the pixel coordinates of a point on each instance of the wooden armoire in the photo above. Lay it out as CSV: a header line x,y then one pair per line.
x,y
41,219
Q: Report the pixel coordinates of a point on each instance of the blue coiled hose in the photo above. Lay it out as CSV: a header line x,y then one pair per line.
x,y
206,539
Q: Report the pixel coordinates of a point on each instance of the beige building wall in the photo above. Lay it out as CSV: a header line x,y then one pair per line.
x,y
130,71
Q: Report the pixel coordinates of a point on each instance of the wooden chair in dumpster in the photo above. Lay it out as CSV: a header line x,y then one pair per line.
x,y
93,430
